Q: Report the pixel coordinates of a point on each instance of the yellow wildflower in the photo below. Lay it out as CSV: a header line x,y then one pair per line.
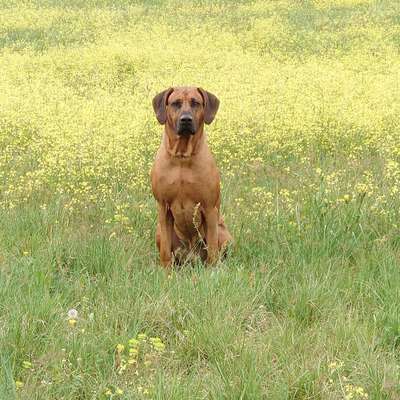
x,y
133,352
159,346
133,342
120,348
18,385
27,364
72,322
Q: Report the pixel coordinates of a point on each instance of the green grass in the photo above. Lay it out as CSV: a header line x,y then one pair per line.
x,y
264,324
306,306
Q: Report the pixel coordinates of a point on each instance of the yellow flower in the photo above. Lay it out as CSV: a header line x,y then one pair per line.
x,y
72,322
133,342
27,364
108,392
159,346
120,348
19,384
119,392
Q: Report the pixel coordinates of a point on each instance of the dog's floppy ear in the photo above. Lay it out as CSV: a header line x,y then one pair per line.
x,y
160,104
211,104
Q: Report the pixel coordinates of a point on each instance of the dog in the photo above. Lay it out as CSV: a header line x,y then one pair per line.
x,y
185,179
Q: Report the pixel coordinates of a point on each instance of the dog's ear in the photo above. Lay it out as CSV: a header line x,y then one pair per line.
x,y
160,104
211,104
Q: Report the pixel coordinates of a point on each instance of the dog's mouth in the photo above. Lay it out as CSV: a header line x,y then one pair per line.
x,y
186,129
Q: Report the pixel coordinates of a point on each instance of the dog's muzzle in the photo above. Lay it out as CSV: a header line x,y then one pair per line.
x,y
186,125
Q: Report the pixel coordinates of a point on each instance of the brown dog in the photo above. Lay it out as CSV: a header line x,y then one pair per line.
x,y
185,179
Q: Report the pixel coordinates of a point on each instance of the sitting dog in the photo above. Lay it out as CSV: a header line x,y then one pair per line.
x,y
185,178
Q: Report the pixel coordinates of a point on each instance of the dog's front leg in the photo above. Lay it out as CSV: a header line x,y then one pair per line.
x,y
211,217
166,221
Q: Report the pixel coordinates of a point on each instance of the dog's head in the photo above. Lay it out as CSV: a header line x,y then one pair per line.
x,y
185,109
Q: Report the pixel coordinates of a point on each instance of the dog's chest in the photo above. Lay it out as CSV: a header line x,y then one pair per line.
x,y
181,184
184,194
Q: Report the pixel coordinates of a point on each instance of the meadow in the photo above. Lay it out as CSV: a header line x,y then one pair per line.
x,y
307,138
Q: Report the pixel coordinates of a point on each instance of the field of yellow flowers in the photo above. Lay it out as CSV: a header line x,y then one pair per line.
x,y
307,138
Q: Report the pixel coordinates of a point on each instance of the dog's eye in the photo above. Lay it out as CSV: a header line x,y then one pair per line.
x,y
176,104
194,103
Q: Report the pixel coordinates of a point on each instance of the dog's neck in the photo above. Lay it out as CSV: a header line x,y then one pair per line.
x,y
183,147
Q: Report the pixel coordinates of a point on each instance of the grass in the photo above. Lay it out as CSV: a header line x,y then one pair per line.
x,y
306,306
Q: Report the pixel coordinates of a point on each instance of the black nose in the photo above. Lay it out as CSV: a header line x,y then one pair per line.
x,y
186,119
186,124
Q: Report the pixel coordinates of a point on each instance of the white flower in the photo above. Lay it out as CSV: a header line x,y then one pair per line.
x,y
72,313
